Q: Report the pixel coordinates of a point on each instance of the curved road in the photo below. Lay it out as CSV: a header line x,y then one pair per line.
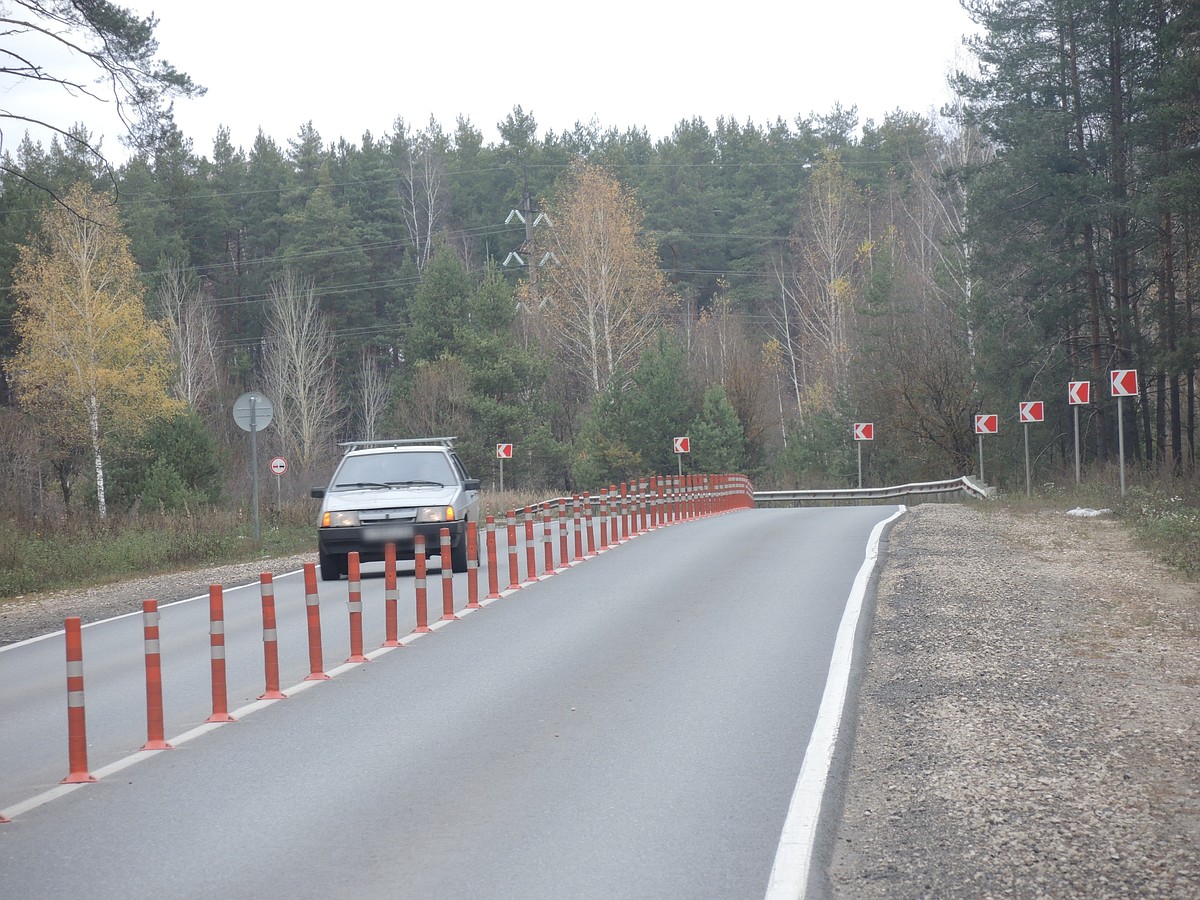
x,y
632,727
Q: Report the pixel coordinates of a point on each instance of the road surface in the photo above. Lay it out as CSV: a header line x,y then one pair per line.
x,y
631,727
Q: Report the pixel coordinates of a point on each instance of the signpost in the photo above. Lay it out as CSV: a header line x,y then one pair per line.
x,y
985,423
682,445
1122,383
863,431
278,466
1079,393
503,452
1030,411
253,412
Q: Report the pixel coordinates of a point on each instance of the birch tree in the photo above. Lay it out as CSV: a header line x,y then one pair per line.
x,y
603,297
374,393
191,329
89,362
298,370
817,282
421,159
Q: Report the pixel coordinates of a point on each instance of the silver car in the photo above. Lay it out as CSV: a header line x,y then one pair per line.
x,y
388,492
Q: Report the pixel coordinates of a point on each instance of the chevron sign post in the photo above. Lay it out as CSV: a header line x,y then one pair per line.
x,y
1030,411
863,431
503,452
682,445
1122,383
985,423
1079,393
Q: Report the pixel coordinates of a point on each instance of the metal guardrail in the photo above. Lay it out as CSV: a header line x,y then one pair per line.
x,y
963,485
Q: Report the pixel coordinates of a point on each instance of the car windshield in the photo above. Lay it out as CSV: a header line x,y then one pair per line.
x,y
385,470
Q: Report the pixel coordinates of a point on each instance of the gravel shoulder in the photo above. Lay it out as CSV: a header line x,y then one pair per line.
x,y
1029,716
35,614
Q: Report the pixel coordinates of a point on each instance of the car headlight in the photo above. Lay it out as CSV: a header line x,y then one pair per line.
x,y
340,518
435,514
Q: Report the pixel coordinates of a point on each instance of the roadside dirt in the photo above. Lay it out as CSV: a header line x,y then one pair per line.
x,y
1029,720
34,614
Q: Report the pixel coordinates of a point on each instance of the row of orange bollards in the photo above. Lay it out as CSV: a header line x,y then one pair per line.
x,y
623,514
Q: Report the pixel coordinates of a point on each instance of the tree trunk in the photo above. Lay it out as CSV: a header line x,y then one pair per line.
x,y
97,457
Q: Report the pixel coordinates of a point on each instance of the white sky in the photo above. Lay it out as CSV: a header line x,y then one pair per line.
x,y
277,65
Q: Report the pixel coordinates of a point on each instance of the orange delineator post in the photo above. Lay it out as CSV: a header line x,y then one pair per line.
x,y
312,606
216,642
354,605
419,585
587,515
514,575
473,566
76,718
563,549
447,576
604,520
270,639
547,543
578,524
391,599
530,547
493,563
155,737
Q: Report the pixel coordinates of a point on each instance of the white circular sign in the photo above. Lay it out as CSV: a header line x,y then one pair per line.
x,y
278,465
252,408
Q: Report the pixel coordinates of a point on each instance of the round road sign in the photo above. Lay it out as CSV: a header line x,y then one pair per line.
x,y
278,465
252,406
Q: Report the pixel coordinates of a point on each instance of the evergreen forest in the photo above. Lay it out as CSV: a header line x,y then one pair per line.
x,y
591,294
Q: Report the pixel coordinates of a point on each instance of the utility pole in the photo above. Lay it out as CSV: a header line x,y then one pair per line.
x,y
528,248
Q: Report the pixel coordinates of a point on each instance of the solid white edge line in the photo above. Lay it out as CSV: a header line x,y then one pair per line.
x,y
789,874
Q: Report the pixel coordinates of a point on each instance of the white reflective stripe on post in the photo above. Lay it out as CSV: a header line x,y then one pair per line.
x,y
74,668
75,698
152,646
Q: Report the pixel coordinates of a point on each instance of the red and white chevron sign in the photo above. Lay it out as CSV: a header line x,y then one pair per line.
x,y
864,431
504,451
1032,411
987,423
683,445
1123,382
1079,393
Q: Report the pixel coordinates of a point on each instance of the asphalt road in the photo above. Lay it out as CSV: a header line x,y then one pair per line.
x,y
632,727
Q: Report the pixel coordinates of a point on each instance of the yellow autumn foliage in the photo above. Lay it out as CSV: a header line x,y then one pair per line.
x,y
89,362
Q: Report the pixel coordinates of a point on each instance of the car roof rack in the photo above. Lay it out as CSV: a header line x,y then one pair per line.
x,y
399,442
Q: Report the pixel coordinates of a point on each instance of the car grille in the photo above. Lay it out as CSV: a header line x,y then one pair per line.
x,y
374,516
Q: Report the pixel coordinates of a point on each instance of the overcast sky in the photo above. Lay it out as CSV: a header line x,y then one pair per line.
x,y
277,65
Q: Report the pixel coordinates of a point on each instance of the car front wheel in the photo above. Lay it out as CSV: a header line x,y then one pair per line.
x,y
333,566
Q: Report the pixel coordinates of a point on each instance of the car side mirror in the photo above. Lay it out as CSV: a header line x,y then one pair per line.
x,y
471,484
317,493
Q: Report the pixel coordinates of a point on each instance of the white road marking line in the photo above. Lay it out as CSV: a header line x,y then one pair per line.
x,y
789,874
